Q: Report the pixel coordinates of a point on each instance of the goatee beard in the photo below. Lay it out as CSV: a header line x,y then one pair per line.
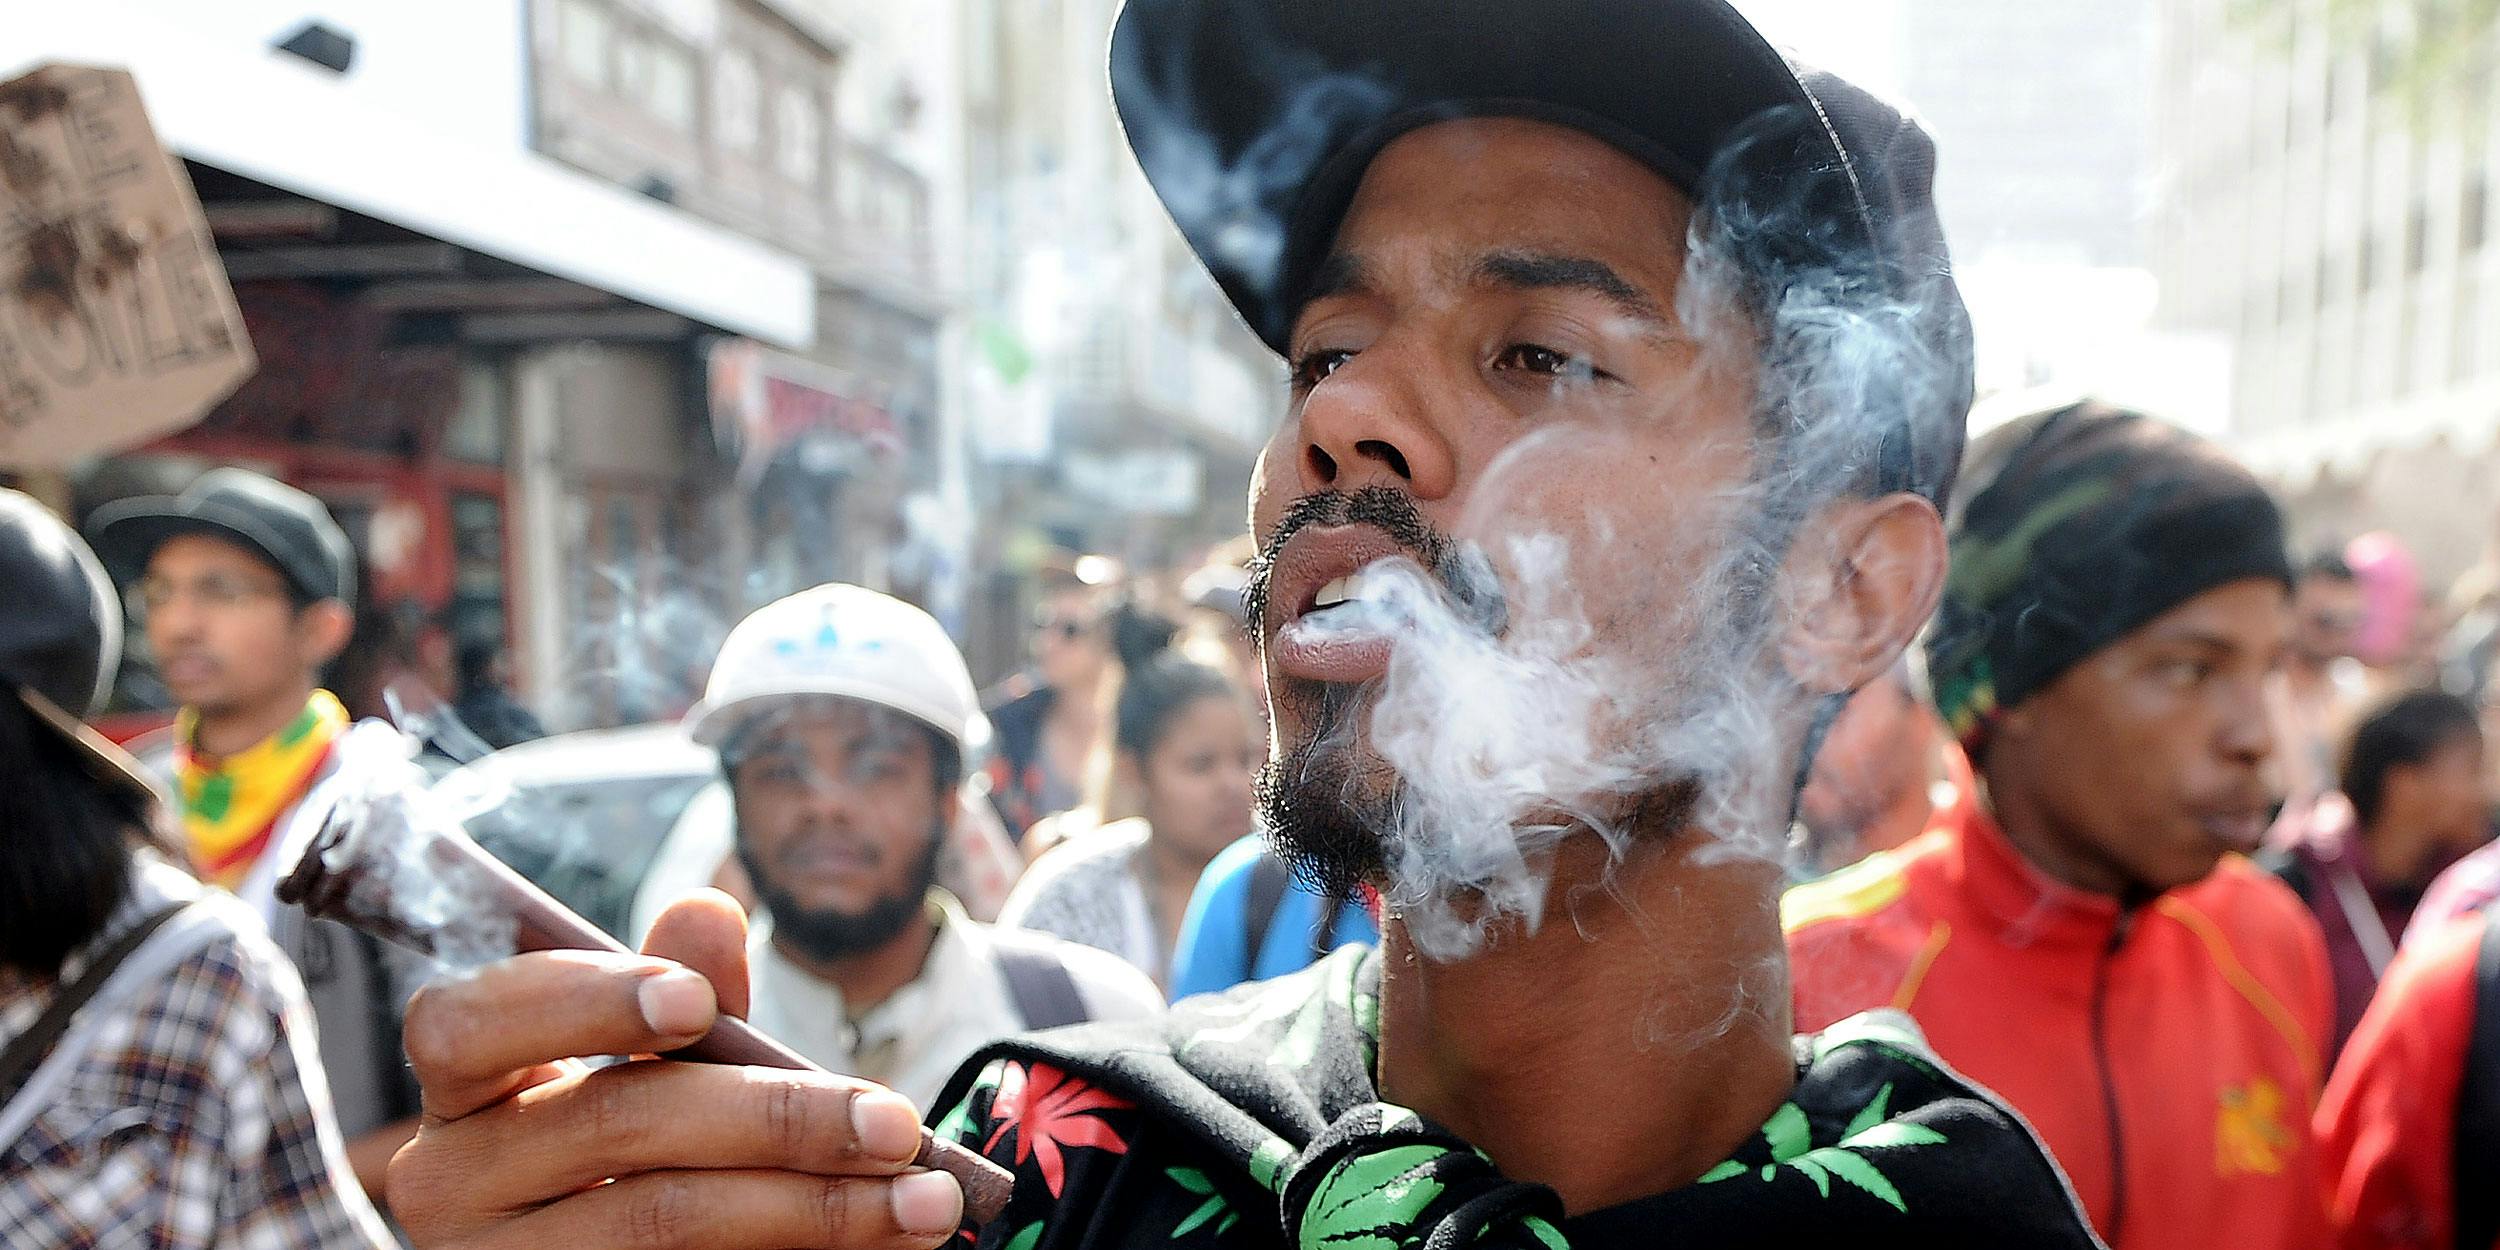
x,y
1307,801
1312,801
827,935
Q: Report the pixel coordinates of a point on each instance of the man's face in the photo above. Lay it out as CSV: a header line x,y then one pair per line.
x,y
1196,778
2147,760
1881,749
2328,614
838,821
222,628
2445,794
1068,647
1492,353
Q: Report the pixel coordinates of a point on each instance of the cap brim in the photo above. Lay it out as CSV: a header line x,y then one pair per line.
x,y
111,766
715,723
1254,119
126,536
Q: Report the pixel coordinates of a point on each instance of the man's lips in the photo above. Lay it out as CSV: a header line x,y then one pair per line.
x,y
1308,561
182,668
822,857
2239,828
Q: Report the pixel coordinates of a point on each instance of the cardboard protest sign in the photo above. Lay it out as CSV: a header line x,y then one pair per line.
x,y
116,322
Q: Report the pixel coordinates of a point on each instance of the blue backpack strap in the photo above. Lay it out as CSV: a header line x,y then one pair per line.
x,y
1268,878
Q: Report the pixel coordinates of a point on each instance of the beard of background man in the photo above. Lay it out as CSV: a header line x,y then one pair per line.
x,y
829,934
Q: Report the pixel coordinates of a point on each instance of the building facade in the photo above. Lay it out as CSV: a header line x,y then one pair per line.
x,y
1116,401
596,321
2327,206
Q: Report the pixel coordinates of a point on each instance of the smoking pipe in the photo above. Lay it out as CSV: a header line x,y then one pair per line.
x,y
356,875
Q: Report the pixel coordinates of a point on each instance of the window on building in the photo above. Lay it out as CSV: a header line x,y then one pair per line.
x,y
476,430
799,134
737,101
672,95
584,31
657,73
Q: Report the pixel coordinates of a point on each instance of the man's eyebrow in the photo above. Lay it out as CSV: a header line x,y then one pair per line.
x,y
1539,271
1342,273
2198,638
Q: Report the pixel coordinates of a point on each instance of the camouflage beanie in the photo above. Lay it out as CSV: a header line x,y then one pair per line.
x,y
2079,526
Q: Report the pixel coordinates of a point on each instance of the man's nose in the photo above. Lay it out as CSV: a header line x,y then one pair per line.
x,y
1370,424
2247,728
172,617
828,797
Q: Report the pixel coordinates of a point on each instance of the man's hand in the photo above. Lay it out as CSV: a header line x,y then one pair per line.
x,y
524,1148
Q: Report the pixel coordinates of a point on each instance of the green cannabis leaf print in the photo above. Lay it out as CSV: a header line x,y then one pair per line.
x,y
1364,1201
1790,1138
1191,1180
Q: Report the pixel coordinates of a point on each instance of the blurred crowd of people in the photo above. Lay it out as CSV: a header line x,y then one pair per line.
x,y
927,869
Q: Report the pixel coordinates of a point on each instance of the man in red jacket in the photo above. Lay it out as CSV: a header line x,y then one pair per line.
x,y
2410,1129
2088,939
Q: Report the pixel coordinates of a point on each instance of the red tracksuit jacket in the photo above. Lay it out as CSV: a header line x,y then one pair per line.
x,y
2389,1125
2168,1056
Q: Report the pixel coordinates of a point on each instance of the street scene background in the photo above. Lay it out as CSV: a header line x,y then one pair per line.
x,y
600,322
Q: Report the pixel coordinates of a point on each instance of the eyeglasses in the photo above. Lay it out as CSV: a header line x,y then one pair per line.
x,y
155,593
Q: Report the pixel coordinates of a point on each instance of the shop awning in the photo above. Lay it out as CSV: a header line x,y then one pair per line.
x,y
266,117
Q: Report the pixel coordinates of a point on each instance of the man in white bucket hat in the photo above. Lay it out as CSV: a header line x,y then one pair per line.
x,y
842,718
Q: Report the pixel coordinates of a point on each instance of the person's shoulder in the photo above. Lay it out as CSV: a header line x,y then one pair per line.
x,y
2241,917
2248,902
1936,1147
1112,988
1878,890
1085,855
1017,706
2468,885
1234,864
214,1003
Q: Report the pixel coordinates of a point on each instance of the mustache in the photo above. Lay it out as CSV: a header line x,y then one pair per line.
x,y
1461,568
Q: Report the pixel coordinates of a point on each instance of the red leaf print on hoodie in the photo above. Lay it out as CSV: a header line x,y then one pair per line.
x,y
1050,1112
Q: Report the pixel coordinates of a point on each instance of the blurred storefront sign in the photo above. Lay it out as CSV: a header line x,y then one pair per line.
x,y
1167,482
765,402
116,322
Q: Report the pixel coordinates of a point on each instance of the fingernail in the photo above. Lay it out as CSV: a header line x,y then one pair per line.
x,y
927,1202
676,1003
885,1126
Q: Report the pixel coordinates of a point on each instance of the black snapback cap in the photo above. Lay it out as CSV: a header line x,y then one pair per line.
x,y
289,529
1254,121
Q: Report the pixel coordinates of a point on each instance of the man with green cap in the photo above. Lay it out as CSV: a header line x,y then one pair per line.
x,y
2090,940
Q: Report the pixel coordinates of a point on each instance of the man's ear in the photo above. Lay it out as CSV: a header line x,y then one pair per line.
x,y
1862,578
325,628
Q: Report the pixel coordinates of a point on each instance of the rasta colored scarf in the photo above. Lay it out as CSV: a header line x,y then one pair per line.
x,y
230,806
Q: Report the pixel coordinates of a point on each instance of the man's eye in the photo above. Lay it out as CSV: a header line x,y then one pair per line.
x,y
1312,368
1539,359
2187,673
